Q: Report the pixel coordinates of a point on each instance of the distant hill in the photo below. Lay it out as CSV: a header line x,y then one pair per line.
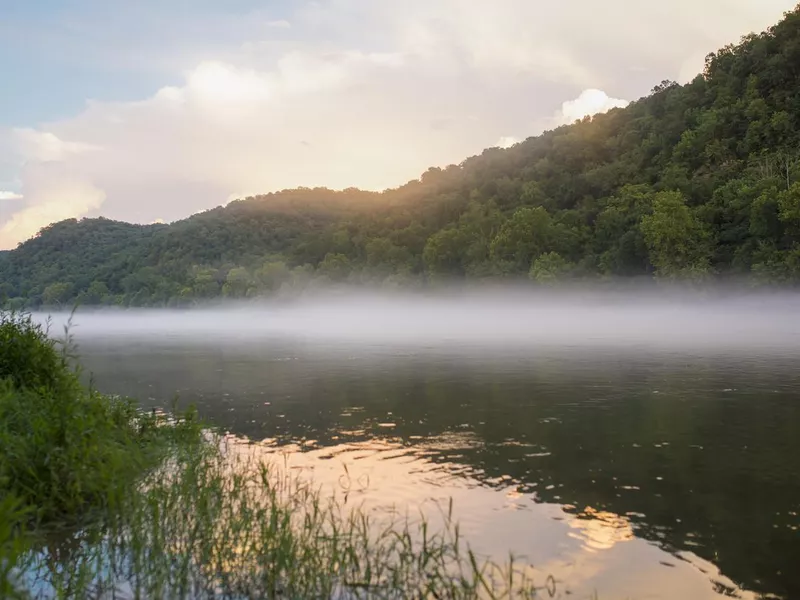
x,y
691,182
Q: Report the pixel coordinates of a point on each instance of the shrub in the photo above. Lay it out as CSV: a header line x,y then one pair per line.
x,y
28,357
65,449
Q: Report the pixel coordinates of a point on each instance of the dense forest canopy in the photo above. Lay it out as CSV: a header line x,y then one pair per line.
x,y
692,182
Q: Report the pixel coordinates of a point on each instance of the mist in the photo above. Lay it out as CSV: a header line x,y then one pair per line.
x,y
497,319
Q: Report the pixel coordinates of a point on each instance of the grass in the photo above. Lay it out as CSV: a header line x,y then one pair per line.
x,y
101,500
217,524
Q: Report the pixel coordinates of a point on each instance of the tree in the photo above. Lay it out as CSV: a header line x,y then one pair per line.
x,y
6,291
204,282
272,275
617,240
97,293
236,283
444,252
789,207
549,268
56,294
335,266
676,240
478,226
522,238
385,257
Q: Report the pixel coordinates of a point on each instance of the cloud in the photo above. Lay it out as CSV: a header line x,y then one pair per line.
x,y
5,195
506,141
590,102
353,93
330,119
52,194
44,146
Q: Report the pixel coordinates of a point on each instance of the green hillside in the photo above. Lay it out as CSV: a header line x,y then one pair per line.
x,y
695,182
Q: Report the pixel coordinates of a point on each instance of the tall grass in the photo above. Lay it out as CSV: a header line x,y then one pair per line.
x,y
212,524
12,545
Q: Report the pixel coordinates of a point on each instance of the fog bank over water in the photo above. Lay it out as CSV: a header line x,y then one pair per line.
x,y
493,318
631,443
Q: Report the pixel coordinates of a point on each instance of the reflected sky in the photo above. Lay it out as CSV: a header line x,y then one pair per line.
x,y
586,550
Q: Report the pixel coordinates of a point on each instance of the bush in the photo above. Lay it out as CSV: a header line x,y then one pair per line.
x,y
65,449
28,358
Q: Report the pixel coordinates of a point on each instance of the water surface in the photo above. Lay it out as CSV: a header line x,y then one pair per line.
x,y
650,451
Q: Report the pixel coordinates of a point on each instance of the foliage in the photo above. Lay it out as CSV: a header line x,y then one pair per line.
x,y
720,154
523,238
549,268
12,545
65,450
29,358
676,239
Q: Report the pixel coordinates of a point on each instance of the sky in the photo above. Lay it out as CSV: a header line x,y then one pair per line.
x,y
153,110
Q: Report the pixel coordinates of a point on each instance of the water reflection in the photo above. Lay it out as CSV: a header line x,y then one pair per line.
x,y
658,474
586,550
600,529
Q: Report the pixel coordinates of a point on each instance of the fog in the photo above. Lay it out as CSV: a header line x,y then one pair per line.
x,y
496,318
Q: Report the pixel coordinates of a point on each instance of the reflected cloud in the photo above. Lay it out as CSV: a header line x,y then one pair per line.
x,y
586,551
600,530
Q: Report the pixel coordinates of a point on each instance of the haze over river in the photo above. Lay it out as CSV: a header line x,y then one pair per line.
x,y
639,447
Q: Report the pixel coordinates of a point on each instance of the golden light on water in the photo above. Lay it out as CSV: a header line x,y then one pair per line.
x,y
393,479
600,530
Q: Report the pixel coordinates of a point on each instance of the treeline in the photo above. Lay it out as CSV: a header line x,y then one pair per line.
x,y
696,182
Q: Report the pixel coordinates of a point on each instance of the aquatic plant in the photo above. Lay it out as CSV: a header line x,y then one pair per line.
x,y
223,524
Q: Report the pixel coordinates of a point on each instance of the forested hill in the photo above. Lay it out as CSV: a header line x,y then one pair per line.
x,y
691,182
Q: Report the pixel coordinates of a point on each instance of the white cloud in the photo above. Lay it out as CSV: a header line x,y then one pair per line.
x,y
332,119
356,93
45,146
506,141
52,194
5,195
590,102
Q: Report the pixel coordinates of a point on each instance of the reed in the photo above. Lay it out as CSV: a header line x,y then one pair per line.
x,y
219,524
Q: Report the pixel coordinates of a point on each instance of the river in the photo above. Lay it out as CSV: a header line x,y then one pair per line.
x,y
637,450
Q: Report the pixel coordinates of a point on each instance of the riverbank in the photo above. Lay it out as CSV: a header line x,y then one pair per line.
x,y
98,496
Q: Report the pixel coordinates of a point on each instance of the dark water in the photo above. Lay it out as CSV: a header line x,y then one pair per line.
x,y
632,470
